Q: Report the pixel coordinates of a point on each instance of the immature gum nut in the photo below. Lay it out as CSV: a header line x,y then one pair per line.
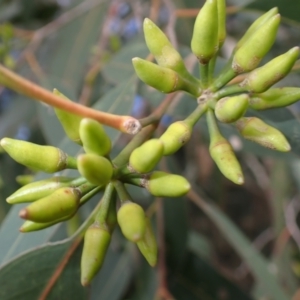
x,y
144,158
96,242
205,40
131,219
256,24
163,79
261,79
61,203
162,184
177,135
221,5
165,54
29,226
96,169
223,155
230,109
69,122
222,152
94,138
39,189
148,245
258,131
249,55
43,158
277,97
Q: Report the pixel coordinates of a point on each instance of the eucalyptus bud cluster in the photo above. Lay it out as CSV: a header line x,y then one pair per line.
x,y
217,97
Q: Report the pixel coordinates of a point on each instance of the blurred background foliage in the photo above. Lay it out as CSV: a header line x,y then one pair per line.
x,y
223,241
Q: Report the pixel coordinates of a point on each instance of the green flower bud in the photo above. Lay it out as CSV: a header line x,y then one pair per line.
x,y
94,138
163,79
230,109
257,24
39,189
29,226
177,135
221,5
222,152
43,158
165,54
96,242
261,79
148,245
131,218
162,184
258,131
69,121
278,97
61,203
205,42
24,179
96,169
249,55
144,158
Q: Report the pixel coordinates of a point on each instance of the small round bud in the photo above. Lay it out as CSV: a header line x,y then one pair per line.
x,y
205,41
277,97
131,218
249,55
258,131
261,79
257,24
165,54
162,184
163,79
230,109
61,203
177,135
222,152
38,189
94,138
96,242
144,158
69,121
147,245
96,169
43,158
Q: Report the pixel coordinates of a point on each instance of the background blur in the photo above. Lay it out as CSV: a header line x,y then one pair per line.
x,y
226,241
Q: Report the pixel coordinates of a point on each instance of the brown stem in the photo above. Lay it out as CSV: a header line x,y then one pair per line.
x,y
23,86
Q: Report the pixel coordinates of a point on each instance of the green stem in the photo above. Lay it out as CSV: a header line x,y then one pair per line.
x,y
71,162
224,77
204,75
211,68
137,181
86,187
78,181
103,211
229,90
212,124
89,195
122,192
193,118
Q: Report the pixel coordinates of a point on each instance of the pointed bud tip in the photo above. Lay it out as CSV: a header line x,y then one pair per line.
x,y
85,282
240,180
23,213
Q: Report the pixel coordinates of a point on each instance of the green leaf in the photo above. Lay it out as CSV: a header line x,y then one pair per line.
x,y
27,276
259,266
120,66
